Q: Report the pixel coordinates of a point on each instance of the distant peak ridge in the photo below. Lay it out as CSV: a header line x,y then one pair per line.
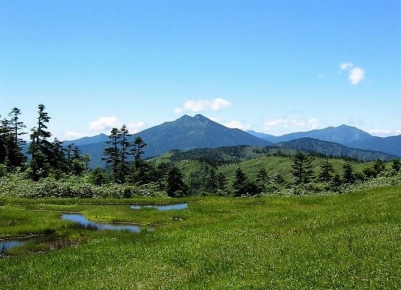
x,y
201,118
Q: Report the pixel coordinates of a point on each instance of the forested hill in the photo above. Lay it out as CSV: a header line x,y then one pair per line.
x,y
345,135
334,150
234,154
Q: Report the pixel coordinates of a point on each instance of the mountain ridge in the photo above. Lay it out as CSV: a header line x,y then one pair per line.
x,y
348,136
186,133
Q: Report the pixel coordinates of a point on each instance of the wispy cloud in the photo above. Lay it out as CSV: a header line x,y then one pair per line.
x,y
107,123
355,74
237,124
203,105
104,123
346,65
282,126
379,132
135,127
71,135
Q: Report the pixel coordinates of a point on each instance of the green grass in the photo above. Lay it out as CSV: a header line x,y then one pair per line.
x,y
349,241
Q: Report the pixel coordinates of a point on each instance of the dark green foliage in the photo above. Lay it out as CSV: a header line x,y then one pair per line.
x,y
326,172
396,165
302,168
143,172
14,148
98,176
242,186
137,150
348,176
40,148
240,183
336,181
58,160
378,167
175,183
262,180
123,166
201,180
11,142
369,172
112,153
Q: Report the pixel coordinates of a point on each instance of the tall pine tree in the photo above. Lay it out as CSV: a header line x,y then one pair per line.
x,y
40,148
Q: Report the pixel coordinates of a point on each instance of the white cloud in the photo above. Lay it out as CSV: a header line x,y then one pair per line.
x,y
346,65
203,105
314,123
104,123
356,75
384,132
379,132
135,127
282,126
237,124
219,103
196,106
72,136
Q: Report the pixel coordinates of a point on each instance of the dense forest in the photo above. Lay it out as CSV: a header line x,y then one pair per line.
x,y
50,169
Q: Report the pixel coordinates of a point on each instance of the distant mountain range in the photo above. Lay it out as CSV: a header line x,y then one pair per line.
x,y
333,149
345,135
188,133
184,133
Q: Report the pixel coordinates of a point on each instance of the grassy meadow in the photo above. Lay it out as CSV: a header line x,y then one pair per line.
x,y
350,241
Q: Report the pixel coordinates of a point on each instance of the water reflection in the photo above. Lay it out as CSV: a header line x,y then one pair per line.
x,y
84,222
177,206
9,244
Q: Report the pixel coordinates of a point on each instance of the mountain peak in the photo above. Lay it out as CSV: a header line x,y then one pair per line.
x,y
201,118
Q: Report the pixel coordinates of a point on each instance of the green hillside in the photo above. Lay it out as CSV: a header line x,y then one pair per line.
x,y
277,162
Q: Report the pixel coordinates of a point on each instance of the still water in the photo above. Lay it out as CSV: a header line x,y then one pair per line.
x,y
177,206
85,223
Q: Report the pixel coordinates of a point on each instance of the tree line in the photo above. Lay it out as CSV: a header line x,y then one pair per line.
x,y
125,165
46,158
54,160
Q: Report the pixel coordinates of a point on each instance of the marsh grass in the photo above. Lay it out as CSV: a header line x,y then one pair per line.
x,y
349,241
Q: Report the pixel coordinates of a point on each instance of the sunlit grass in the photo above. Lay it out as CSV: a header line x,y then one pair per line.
x,y
347,241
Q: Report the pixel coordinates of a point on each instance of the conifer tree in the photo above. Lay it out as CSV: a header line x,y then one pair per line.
x,y
348,175
240,183
175,183
40,148
14,149
4,137
137,150
327,171
112,153
302,168
124,145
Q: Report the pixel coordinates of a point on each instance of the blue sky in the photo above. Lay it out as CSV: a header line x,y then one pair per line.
x,y
272,66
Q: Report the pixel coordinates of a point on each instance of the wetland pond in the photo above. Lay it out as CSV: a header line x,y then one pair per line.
x,y
83,222
177,206
5,245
